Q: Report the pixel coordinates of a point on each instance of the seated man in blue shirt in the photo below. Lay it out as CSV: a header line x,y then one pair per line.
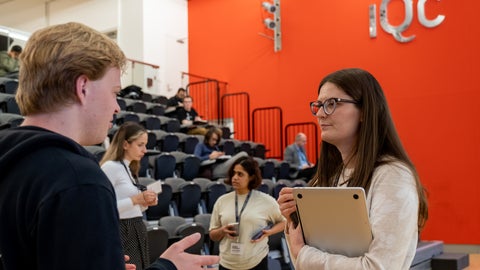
x,y
295,156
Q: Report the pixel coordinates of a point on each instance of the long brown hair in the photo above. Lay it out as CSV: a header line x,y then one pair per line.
x,y
129,131
209,134
377,141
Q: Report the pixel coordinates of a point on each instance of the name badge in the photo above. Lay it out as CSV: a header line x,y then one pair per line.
x,y
236,248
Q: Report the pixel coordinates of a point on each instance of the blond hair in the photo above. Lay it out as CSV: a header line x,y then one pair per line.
x,y
55,57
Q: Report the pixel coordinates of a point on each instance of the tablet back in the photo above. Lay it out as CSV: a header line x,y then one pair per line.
x,y
334,219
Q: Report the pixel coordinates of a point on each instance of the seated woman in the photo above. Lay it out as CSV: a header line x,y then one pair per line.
x,y
209,151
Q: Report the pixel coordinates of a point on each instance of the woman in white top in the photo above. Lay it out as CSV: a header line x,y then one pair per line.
x,y
244,245
361,148
121,164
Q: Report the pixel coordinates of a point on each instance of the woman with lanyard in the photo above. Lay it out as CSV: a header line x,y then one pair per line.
x,y
121,164
242,220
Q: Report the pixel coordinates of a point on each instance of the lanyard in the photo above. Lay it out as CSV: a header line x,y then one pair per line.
x,y
128,172
137,185
237,216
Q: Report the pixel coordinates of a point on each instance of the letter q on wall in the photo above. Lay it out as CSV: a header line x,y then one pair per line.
x,y
396,31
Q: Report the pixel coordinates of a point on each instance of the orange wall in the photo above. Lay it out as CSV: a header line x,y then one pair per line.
x,y
430,82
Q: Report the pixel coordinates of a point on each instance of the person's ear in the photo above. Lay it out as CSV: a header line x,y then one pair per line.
x,y
125,145
81,88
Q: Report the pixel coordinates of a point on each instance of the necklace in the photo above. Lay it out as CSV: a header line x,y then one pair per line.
x,y
345,175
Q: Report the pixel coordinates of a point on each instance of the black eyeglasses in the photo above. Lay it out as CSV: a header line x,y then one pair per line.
x,y
328,105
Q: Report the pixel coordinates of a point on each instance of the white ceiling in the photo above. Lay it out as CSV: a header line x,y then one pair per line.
x,y
30,9
7,6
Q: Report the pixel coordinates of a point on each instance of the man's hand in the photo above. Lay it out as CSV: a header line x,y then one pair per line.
x,y
182,260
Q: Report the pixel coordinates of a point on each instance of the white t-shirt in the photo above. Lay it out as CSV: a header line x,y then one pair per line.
x,y
260,209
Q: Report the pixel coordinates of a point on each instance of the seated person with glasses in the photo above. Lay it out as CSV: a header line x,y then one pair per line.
x,y
189,118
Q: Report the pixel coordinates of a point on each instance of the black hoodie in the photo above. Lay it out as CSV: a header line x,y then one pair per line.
x,y
57,207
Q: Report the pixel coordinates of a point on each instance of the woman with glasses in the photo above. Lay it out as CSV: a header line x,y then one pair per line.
x,y
361,148
121,164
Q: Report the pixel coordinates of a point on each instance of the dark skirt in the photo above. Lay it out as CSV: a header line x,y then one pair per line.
x,y
134,241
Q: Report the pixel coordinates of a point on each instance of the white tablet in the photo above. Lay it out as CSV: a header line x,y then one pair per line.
x,y
334,219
